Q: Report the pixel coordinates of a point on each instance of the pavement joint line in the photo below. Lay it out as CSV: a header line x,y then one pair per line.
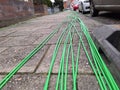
x,y
31,73
35,40
10,33
17,36
55,44
20,45
39,63
4,50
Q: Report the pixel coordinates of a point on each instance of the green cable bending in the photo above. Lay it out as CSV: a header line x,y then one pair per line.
x,y
101,83
95,58
61,61
106,78
76,69
77,60
102,73
97,63
63,57
109,76
18,67
54,57
99,73
73,68
106,71
66,70
89,59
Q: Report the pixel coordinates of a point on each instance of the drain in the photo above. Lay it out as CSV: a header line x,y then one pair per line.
x,y
114,39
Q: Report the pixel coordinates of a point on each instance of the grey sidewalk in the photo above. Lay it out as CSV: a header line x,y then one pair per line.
x,y
18,40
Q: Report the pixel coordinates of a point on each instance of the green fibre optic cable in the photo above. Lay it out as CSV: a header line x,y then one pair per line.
x,y
77,61
99,73
61,68
61,61
92,65
102,73
73,65
97,63
106,71
10,75
108,79
76,69
109,76
54,57
66,70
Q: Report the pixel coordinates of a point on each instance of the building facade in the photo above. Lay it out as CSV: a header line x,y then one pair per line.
x,y
12,11
67,3
15,10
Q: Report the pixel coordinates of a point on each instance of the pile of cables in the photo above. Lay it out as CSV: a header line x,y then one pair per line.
x,y
102,73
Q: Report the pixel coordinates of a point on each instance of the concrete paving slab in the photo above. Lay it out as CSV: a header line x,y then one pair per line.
x,y
83,64
2,49
42,31
44,66
20,40
87,82
25,82
9,60
53,40
4,39
21,33
6,32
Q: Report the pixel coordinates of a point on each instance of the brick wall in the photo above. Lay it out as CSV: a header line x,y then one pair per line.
x,y
40,9
14,10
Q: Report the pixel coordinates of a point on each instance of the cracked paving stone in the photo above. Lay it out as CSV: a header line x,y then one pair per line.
x,y
12,56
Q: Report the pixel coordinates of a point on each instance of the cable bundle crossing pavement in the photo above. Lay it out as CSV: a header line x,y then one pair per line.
x,y
103,75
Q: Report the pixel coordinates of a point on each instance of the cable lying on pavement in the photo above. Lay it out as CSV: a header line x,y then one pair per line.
x,y
102,73
27,58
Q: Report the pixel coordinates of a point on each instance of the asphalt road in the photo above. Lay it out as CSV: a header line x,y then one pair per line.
x,y
106,18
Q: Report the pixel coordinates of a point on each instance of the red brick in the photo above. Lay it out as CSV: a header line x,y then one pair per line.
x,y
15,9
